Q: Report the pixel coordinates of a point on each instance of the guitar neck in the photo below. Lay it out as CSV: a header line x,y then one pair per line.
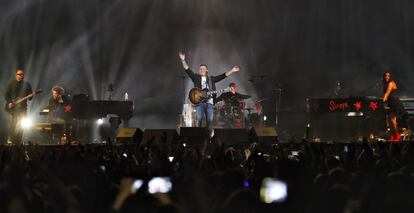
x,y
24,98
216,91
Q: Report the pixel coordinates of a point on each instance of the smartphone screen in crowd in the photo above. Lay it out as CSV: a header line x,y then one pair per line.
x,y
136,185
273,190
159,185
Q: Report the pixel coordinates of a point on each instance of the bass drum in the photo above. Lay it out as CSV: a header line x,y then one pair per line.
x,y
218,115
254,120
232,117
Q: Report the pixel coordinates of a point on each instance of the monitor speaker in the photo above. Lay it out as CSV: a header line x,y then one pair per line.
x,y
156,136
263,134
129,135
194,135
231,136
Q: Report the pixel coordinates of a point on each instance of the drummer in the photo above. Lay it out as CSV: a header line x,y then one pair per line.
x,y
232,97
232,107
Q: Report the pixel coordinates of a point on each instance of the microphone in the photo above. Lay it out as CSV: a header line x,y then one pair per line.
x,y
337,88
338,85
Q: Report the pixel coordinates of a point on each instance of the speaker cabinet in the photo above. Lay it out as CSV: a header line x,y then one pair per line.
x,y
129,135
231,136
194,135
159,136
263,134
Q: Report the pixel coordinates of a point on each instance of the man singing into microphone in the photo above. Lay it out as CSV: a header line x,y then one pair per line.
x,y
202,80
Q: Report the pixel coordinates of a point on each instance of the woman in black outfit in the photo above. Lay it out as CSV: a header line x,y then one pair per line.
x,y
394,103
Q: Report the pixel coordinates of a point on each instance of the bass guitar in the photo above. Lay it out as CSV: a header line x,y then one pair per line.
x,y
197,95
18,101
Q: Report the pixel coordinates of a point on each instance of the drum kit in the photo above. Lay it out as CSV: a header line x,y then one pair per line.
x,y
234,112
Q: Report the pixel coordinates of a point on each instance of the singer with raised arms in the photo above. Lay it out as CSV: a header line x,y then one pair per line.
x,y
204,81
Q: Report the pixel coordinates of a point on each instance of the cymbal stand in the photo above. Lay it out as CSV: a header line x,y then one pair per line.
x,y
278,102
261,82
110,89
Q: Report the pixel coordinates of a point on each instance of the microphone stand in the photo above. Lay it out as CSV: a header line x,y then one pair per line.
x,y
110,90
377,84
278,102
184,96
253,80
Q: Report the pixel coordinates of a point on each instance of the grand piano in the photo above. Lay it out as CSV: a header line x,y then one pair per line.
x,y
99,108
81,113
84,108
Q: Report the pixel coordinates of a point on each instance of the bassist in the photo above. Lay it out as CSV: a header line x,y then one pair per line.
x,y
202,80
17,88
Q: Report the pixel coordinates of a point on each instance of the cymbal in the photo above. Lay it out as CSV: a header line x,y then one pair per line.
x,y
240,96
261,100
236,97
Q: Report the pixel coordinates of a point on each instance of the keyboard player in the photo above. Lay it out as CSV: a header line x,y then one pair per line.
x,y
58,106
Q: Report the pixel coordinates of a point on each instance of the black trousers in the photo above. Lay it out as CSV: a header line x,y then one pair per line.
x,y
15,130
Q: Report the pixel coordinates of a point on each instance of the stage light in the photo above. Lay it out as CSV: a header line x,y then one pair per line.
x,y
99,121
355,114
26,123
171,158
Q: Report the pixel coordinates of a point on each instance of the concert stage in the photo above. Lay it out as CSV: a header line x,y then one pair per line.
x,y
341,151
201,136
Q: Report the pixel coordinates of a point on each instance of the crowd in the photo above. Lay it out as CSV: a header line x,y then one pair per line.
x,y
212,177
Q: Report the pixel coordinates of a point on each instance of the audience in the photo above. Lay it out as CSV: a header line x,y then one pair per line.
x,y
320,177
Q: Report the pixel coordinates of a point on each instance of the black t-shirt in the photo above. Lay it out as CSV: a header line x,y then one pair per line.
x,y
16,90
196,78
57,107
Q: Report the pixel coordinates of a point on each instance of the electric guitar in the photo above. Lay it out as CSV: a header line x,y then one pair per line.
x,y
17,101
197,95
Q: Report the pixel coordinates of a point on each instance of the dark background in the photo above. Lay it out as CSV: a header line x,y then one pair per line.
x,y
302,46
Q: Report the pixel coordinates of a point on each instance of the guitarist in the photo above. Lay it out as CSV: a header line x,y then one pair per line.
x,y
203,81
16,89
